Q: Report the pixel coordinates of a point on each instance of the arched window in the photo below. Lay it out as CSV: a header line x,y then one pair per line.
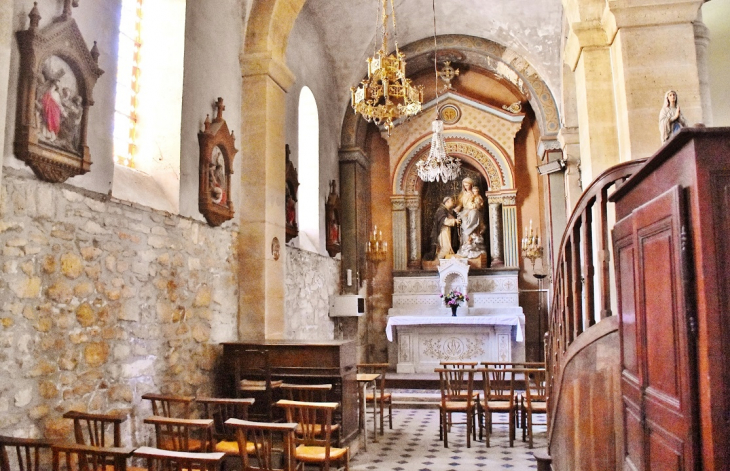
x,y
309,203
148,103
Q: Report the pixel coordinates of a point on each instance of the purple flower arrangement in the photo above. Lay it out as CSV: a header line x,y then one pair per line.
x,y
454,298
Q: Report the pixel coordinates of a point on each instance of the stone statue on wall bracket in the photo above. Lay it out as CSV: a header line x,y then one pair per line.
x,y
217,151
332,218
58,73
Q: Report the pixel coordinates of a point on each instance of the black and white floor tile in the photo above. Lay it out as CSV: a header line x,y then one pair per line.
x,y
414,445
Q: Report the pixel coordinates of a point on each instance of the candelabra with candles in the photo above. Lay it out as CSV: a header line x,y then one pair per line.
x,y
375,248
531,248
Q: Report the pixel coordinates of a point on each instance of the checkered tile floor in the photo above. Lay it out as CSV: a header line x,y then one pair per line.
x,y
414,445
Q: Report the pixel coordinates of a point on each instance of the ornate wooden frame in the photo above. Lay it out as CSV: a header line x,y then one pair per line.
x,y
292,187
214,136
61,39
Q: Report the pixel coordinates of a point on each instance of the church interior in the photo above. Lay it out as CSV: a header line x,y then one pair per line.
x,y
303,190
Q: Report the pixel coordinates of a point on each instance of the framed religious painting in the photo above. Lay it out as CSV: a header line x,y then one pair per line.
x,y
217,151
332,221
292,187
58,73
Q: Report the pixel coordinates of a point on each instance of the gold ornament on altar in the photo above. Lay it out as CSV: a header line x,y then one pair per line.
x,y
386,94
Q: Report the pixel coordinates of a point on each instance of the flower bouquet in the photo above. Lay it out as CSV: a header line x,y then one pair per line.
x,y
453,299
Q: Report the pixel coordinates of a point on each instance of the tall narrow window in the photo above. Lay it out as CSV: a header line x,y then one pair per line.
x,y
309,202
128,72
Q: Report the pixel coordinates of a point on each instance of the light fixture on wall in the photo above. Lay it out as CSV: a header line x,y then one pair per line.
x,y
531,248
375,248
386,94
438,165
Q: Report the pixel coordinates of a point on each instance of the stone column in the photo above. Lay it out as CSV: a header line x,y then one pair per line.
x,y
262,218
653,50
400,232
570,143
6,45
702,44
589,56
354,213
509,231
495,232
413,205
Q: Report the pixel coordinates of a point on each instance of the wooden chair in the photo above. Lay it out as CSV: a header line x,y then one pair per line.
x,y
459,364
457,396
90,458
166,460
170,405
499,397
314,445
383,398
188,435
310,393
261,438
30,453
91,429
252,374
534,400
220,410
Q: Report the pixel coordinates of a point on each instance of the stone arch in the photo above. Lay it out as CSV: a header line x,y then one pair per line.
x,y
269,25
490,159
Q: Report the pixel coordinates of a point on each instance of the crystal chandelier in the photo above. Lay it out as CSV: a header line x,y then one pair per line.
x,y
437,166
386,94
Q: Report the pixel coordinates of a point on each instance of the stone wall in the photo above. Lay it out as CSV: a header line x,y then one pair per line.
x,y
102,301
311,279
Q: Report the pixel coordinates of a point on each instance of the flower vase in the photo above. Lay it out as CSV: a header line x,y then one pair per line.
x,y
453,310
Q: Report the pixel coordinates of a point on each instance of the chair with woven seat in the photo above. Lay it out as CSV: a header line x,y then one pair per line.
x,y
188,435
457,396
262,439
313,445
26,454
534,399
310,393
220,410
167,405
166,460
499,397
382,397
91,429
252,375
78,457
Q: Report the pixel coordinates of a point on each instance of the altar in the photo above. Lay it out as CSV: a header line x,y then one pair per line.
x,y
423,333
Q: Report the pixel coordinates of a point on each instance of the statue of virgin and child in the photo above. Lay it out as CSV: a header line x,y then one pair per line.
x,y
465,213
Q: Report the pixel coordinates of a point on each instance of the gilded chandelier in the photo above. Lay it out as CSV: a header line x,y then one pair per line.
x,y
386,94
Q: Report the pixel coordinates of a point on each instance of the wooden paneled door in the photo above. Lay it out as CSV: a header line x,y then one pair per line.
x,y
657,330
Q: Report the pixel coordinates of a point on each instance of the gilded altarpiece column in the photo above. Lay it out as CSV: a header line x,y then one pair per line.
x,y
413,206
400,232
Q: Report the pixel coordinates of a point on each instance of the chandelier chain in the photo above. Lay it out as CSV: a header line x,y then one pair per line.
x,y
395,29
435,57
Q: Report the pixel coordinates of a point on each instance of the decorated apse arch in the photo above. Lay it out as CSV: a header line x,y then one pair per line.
x,y
480,154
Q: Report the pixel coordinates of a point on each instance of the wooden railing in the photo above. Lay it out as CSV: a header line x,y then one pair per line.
x,y
582,294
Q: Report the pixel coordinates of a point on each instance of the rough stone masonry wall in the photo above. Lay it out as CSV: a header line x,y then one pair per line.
x,y
101,302
311,281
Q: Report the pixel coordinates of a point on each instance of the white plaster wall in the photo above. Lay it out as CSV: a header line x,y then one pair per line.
x,y
213,42
309,60
715,14
98,21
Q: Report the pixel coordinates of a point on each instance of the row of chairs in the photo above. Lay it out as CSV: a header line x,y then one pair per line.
x,y
501,386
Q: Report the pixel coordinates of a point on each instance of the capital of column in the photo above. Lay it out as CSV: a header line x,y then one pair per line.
x,y
568,136
584,34
398,203
631,14
354,154
262,63
413,203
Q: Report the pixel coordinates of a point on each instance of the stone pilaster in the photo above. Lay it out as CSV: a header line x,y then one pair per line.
x,y
413,206
495,232
261,278
702,44
570,144
509,231
400,232
354,213
6,46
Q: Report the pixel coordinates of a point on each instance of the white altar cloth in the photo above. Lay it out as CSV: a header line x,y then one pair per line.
x,y
492,319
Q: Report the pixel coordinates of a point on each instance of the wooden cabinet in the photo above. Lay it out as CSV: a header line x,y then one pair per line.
x,y
331,362
672,260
